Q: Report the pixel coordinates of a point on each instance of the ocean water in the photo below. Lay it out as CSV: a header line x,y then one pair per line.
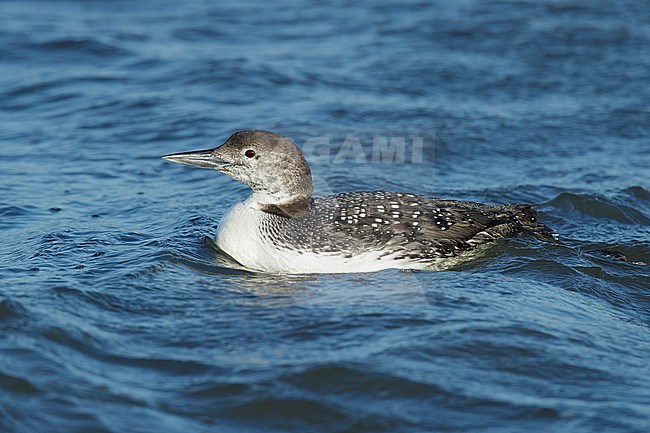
x,y
117,315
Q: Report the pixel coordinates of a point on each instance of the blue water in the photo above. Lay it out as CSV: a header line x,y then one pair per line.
x,y
117,315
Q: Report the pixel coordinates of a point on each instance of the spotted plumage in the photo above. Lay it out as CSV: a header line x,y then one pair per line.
x,y
280,228
400,225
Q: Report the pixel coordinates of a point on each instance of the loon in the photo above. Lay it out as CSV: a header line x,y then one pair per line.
x,y
281,229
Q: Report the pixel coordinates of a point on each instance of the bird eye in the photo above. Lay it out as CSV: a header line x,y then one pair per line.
x,y
249,153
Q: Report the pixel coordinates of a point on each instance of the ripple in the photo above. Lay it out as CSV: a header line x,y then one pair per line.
x,y
17,385
80,48
11,309
341,379
16,211
599,207
292,414
223,72
639,193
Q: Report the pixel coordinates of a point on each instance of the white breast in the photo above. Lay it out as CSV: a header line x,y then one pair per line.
x,y
239,236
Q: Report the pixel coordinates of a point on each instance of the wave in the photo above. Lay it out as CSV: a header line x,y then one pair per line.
x,y
602,207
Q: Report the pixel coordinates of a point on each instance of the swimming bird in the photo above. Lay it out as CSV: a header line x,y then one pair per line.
x,y
281,228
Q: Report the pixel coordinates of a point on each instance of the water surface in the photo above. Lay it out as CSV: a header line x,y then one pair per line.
x,y
117,315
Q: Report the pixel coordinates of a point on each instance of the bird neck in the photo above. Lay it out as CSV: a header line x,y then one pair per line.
x,y
287,206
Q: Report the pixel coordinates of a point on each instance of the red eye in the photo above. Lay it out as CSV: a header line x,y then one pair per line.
x,y
249,153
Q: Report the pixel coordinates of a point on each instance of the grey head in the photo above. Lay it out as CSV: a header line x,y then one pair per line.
x,y
272,165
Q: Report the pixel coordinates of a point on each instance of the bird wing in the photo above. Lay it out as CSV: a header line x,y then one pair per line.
x,y
420,226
